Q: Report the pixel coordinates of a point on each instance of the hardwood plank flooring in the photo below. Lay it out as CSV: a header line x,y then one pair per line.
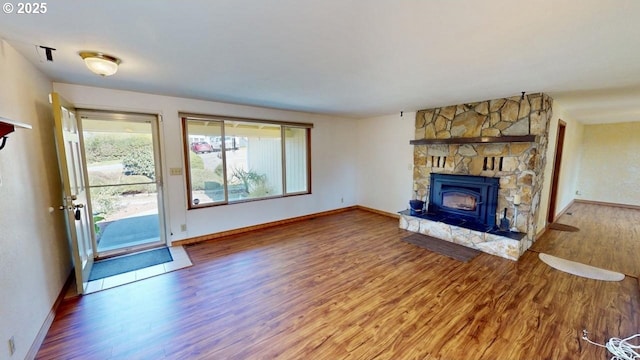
x,y
345,286
609,238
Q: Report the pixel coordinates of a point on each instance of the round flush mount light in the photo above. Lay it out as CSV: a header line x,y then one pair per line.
x,y
99,63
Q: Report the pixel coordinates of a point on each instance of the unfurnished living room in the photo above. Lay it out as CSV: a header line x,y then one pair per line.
x,y
279,179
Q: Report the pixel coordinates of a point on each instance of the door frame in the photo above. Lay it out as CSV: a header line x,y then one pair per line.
x,y
555,175
157,155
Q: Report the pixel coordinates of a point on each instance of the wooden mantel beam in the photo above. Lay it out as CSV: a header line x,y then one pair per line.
x,y
476,140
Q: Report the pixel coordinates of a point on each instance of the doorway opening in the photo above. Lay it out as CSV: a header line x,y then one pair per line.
x,y
124,182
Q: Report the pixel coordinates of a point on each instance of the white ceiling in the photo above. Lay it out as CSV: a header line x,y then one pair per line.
x,y
353,58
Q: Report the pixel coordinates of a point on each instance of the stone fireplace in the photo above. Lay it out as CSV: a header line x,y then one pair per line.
x,y
500,141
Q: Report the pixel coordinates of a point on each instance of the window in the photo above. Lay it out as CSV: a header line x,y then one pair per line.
x,y
233,159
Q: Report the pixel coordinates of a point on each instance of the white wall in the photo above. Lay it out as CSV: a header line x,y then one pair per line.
x,y
34,254
333,149
385,161
570,167
610,164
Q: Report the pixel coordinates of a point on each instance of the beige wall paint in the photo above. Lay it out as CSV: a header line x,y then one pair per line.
x,y
610,167
385,161
385,167
333,142
34,255
570,169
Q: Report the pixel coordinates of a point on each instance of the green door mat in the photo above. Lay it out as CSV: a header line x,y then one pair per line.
x,y
109,267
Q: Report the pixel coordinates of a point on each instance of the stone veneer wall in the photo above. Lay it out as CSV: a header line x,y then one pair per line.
x,y
519,165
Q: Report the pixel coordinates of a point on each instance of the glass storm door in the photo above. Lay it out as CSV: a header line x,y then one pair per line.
x,y
124,181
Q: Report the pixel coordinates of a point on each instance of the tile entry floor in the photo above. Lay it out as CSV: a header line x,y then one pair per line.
x,y
180,260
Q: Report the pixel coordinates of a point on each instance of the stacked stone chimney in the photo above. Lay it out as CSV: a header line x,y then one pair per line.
x,y
475,148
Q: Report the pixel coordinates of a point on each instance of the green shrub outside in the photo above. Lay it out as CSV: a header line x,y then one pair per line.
x,y
109,147
140,163
195,161
105,199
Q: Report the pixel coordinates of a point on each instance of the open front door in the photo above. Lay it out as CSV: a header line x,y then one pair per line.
x,y
74,197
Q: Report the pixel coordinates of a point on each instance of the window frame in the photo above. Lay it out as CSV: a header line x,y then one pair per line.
x,y
223,121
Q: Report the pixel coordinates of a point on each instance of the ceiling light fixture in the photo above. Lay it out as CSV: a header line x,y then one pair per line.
x,y
99,63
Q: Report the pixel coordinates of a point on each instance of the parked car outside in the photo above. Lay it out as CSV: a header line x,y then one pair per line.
x,y
200,147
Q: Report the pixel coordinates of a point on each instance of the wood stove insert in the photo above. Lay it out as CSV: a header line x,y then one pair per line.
x,y
463,200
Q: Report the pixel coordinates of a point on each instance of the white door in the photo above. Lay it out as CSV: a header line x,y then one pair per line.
x,y
74,196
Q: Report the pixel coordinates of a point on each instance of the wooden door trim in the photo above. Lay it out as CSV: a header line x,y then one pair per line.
x,y
555,175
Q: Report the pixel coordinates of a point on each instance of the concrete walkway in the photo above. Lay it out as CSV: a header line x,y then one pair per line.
x,y
129,232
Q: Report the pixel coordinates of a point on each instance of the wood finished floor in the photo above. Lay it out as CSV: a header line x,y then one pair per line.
x,y
346,287
609,238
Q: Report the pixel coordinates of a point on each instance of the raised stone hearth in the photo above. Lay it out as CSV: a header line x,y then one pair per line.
x,y
504,244
503,138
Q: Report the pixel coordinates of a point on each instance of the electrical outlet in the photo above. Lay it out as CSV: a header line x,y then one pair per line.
x,y
12,345
183,227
